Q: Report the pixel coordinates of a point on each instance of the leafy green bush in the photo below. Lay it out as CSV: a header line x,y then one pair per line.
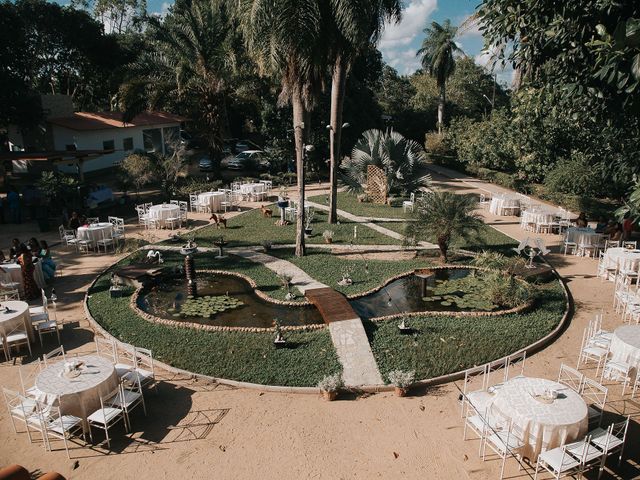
x,y
197,185
505,290
577,175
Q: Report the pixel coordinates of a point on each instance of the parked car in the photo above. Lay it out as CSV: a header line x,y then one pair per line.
x,y
205,164
249,160
242,146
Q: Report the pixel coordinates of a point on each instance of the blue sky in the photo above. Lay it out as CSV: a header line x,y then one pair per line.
x,y
400,42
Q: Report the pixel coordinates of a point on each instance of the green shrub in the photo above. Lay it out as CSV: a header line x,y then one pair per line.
x,y
436,144
505,290
196,185
576,175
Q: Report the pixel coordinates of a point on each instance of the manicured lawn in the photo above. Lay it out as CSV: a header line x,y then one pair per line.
x,y
328,269
248,357
252,228
486,238
349,203
444,344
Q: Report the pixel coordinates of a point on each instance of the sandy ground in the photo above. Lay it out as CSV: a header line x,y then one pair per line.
x,y
211,431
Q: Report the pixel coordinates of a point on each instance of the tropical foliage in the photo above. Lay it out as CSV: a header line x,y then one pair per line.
x,y
401,159
443,216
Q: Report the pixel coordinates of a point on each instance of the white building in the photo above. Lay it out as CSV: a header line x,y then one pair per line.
x,y
149,132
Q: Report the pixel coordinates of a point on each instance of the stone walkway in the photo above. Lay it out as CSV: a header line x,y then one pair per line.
x,y
367,222
299,278
359,366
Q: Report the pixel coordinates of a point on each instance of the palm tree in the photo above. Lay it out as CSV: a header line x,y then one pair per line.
x,y
355,24
444,216
401,159
286,38
438,48
190,62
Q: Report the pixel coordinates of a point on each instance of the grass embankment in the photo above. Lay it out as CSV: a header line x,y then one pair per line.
x,y
248,357
349,203
252,228
443,344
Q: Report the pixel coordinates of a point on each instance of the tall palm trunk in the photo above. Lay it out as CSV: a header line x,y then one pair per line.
x,y
443,245
441,102
298,132
338,88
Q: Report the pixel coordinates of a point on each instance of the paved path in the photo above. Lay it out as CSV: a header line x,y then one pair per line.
x,y
299,278
352,346
367,222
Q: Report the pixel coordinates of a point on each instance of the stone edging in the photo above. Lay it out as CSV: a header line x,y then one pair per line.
x,y
450,377
133,304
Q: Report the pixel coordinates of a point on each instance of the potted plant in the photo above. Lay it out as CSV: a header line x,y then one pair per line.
x,y
115,291
266,245
279,341
328,236
330,386
307,223
401,380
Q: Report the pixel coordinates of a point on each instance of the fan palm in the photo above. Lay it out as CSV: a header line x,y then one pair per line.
x,y
354,25
286,38
400,158
437,52
444,216
190,63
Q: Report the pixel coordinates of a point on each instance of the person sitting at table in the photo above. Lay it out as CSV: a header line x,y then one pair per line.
x,y
75,221
31,289
627,227
34,246
618,234
14,251
581,221
601,225
48,265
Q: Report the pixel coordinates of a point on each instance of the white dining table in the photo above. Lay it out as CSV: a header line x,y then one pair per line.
x,y
80,395
542,424
251,189
15,271
503,204
621,257
95,231
625,345
17,315
212,199
584,236
164,211
536,216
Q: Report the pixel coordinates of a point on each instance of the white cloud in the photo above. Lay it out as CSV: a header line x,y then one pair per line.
x,y
397,44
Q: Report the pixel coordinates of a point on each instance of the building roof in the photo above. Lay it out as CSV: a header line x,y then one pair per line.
x,y
108,120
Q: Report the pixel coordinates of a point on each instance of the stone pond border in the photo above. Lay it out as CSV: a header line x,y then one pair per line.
x,y
450,377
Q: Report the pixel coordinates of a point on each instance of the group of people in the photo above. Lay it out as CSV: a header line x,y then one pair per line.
x,y
615,230
25,255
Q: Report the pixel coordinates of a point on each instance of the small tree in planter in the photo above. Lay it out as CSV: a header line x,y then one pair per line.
x,y
286,283
308,219
266,245
328,236
402,381
330,386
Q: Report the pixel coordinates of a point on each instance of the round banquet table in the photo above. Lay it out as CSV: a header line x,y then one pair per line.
x,y
79,396
543,425
584,236
95,231
500,202
536,217
626,259
251,188
18,315
15,271
625,345
212,199
164,211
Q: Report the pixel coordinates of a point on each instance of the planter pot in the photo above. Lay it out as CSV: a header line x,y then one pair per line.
x,y
328,240
400,391
283,203
329,396
115,292
280,343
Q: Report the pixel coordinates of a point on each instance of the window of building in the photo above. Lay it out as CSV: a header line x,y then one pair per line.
x,y
152,140
127,144
109,145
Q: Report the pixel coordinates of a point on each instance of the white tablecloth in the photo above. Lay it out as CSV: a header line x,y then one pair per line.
x,y
212,199
500,202
164,211
549,424
626,259
79,396
583,236
251,188
536,217
15,271
625,345
95,231
19,315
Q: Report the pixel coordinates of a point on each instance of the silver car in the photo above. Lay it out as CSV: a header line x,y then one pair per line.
x,y
249,160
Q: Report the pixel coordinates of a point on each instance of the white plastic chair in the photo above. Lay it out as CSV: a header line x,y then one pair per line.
x,y
54,356
28,373
143,369
15,338
131,396
19,408
559,462
193,202
408,204
610,440
479,398
589,352
503,442
596,396
570,377
57,425
617,371
108,415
